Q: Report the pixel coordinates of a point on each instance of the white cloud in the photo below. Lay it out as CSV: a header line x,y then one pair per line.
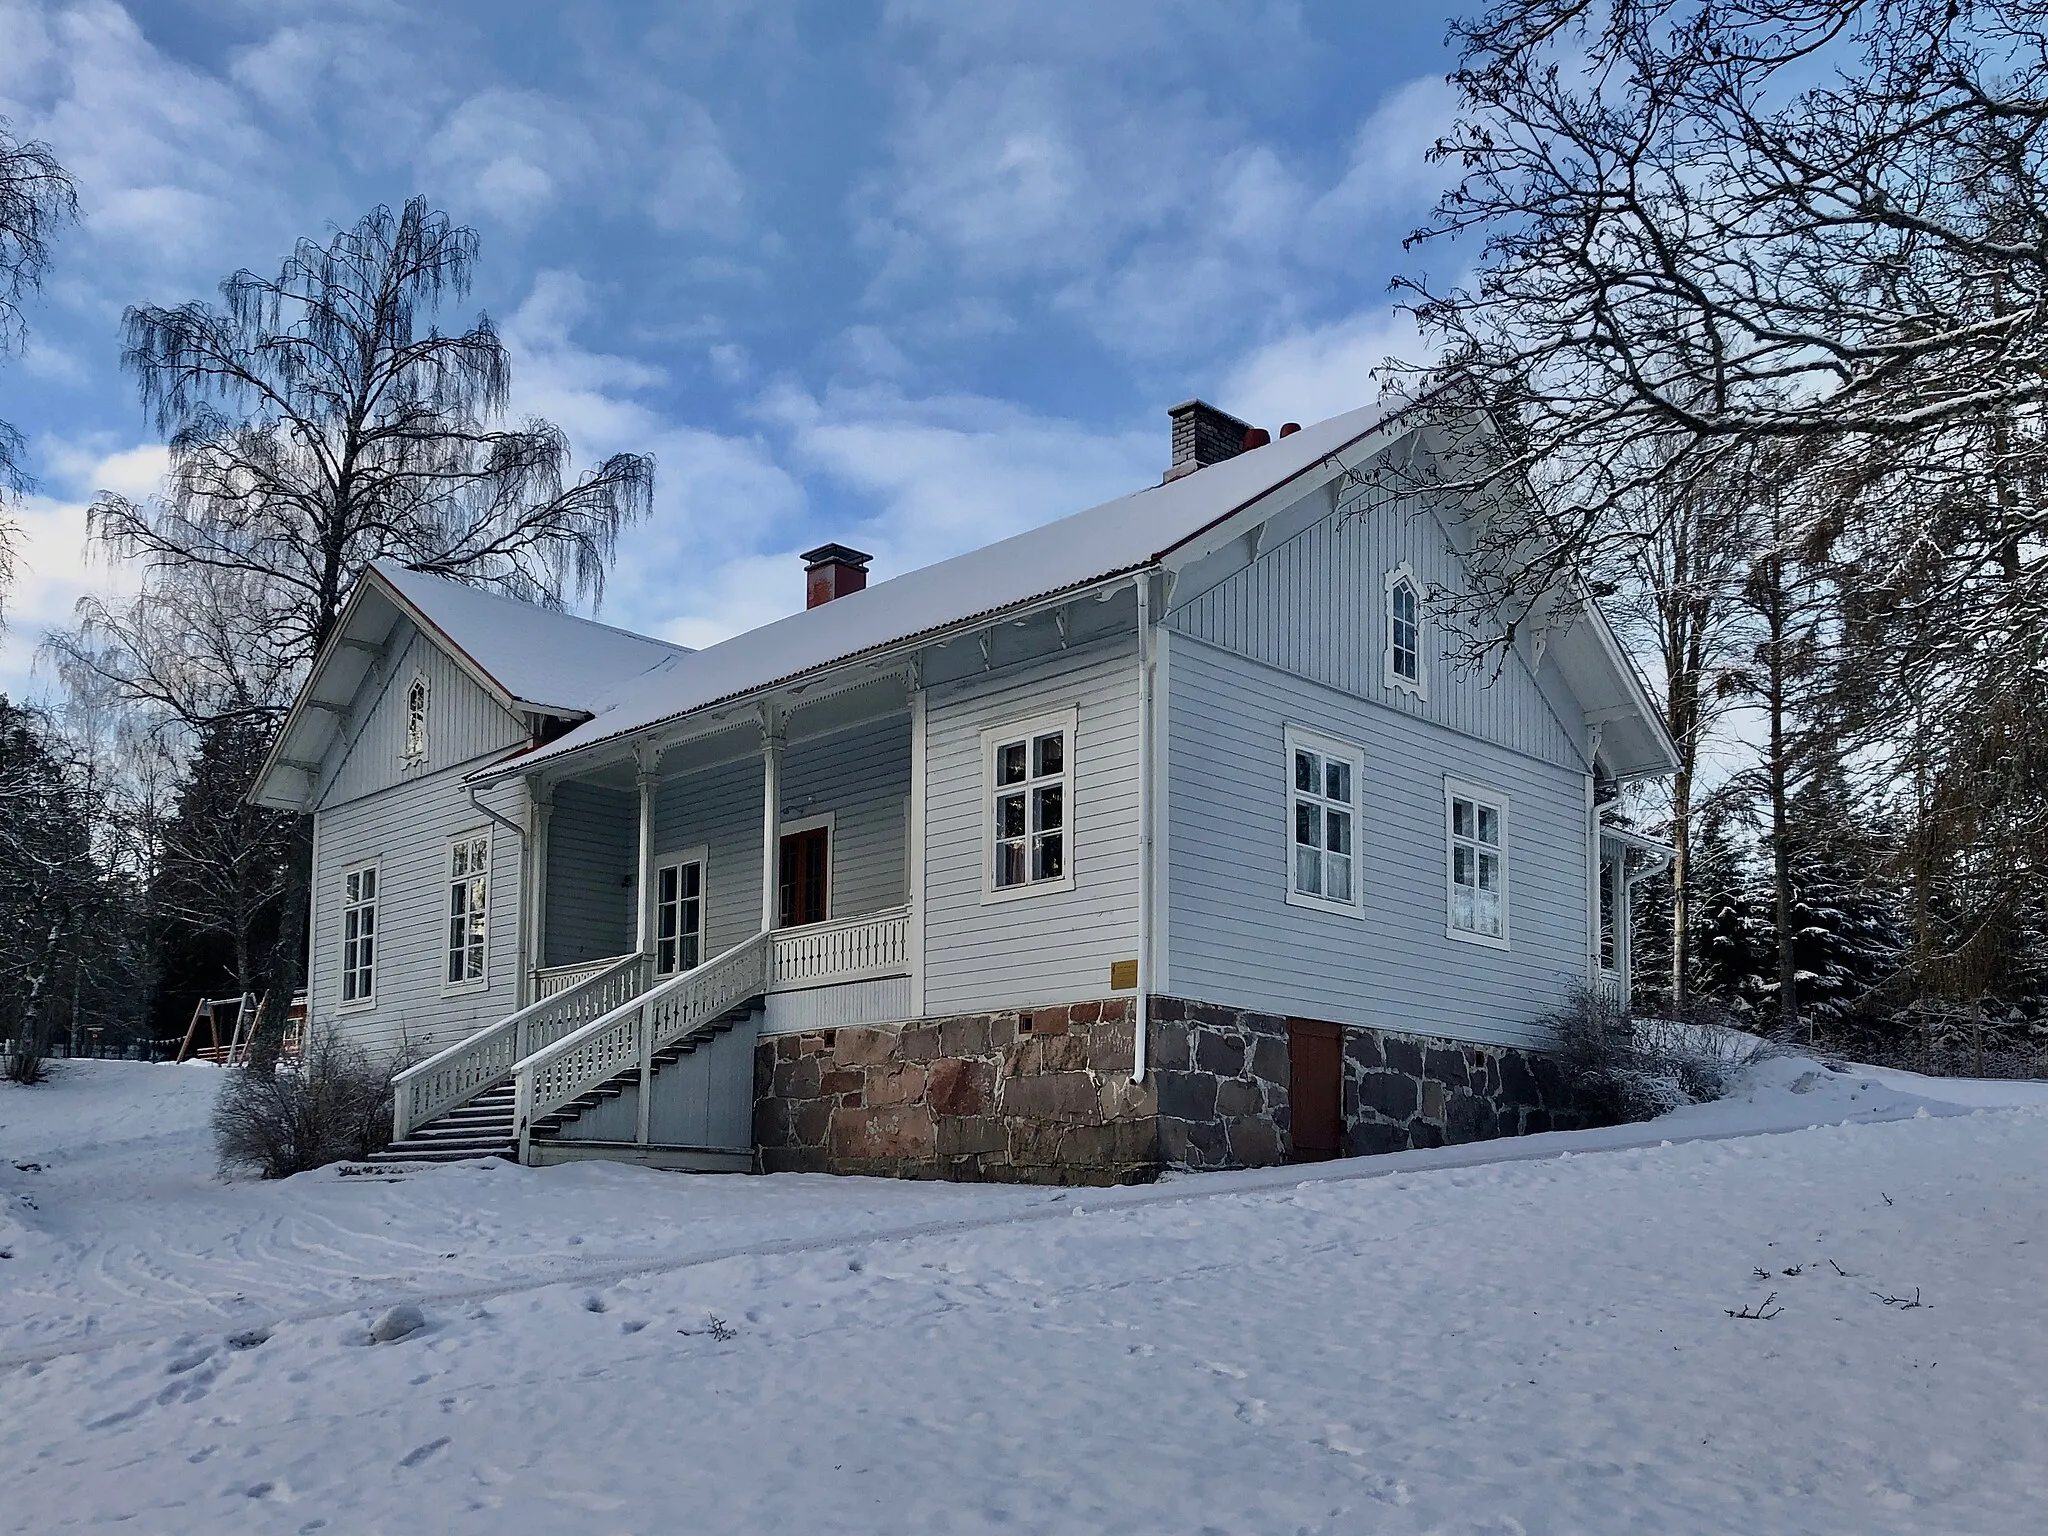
x,y
512,153
1308,375
950,473
56,563
1390,172
700,189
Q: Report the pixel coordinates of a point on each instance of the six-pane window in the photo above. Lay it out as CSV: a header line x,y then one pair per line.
x,y
469,894
359,935
1323,816
1478,873
678,917
1028,780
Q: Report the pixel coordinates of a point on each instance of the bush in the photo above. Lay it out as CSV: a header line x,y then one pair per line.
x,y
1640,1068
331,1105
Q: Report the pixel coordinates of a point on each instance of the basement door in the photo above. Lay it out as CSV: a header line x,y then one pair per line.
x,y
1315,1088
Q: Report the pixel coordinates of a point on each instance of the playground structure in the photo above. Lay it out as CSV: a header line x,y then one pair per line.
x,y
240,1013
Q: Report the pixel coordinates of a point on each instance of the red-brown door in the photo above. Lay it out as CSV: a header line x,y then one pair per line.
x,y
804,877
1315,1088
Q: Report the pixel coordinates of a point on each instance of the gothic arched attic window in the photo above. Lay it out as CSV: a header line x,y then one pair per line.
x,y
415,750
1403,665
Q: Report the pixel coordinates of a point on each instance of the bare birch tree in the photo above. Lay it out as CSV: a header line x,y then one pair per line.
x,y
36,198
319,420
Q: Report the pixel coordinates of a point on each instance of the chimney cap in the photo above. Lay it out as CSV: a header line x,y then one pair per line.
x,y
836,554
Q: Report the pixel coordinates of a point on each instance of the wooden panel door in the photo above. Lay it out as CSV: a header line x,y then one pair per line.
x,y
805,877
1315,1088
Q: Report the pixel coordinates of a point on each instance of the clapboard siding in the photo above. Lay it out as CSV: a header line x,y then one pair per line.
x,y
592,858
464,723
1058,946
1234,939
405,830
1315,606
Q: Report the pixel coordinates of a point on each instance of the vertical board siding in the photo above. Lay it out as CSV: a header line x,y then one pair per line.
x,y
860,776
593,854
706,1099
1316,607
1235,939
464,722
1050,948
405,831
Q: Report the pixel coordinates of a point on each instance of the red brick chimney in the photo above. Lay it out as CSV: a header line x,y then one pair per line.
x,y
833,570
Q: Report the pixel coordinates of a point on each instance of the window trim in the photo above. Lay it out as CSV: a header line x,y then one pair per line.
x,y
829,820
482,982
1295,737
343,1002
699,855
409,755
1503,806
1418,685
1067,722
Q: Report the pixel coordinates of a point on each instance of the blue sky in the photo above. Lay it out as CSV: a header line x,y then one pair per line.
x,y
910,274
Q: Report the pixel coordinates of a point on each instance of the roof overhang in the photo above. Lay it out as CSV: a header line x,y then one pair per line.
x,y
319,718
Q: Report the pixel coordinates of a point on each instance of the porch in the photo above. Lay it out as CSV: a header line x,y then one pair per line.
x,y
683,900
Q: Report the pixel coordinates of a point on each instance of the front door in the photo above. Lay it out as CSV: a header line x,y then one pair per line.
x,y
1315,1088
805,877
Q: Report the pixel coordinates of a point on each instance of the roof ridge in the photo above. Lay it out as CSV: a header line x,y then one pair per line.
x,y
559,613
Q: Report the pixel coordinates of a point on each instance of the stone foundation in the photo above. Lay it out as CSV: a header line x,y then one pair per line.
x,y
1403,1091
1044,1096
1036,1096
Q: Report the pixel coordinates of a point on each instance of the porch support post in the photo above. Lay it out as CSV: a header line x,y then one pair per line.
x,y
643,919
541,809
771,813
647,780
913,883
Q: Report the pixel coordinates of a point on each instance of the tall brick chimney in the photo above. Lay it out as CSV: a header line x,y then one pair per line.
x,y
833,570
1204,435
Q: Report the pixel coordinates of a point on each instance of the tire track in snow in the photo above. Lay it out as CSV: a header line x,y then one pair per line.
x,y
1211,1186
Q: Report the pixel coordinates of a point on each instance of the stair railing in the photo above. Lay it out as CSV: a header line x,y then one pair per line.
x,y
451,1078
630,1035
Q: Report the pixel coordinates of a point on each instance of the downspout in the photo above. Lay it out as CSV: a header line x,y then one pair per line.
x,y
1140,1014
1593,861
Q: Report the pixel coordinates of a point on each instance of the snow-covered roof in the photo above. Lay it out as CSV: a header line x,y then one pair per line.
x,y
1124,535
546,660
531,659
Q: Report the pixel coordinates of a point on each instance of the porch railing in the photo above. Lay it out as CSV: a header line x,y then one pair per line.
x,y
630,1035
552,979
451,1078
844,949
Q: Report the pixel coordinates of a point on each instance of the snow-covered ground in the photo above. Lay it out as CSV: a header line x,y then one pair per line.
x,y
1522,1336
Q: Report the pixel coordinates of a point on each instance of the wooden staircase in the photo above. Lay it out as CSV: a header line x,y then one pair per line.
x,y
486,1126
529,1077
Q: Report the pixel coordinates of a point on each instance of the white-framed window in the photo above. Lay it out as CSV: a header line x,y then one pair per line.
x,y
1322,823
678,912
417,698
1028,807
1475,864
359,936
1403,655
467,954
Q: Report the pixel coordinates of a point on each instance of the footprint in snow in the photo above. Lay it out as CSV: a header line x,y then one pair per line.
x,y
420,1453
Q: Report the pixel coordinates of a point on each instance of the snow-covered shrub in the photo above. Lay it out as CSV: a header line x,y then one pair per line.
x,y
333,1104
1640,1068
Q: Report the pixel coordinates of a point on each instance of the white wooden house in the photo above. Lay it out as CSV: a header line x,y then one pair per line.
x,y
1165,835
